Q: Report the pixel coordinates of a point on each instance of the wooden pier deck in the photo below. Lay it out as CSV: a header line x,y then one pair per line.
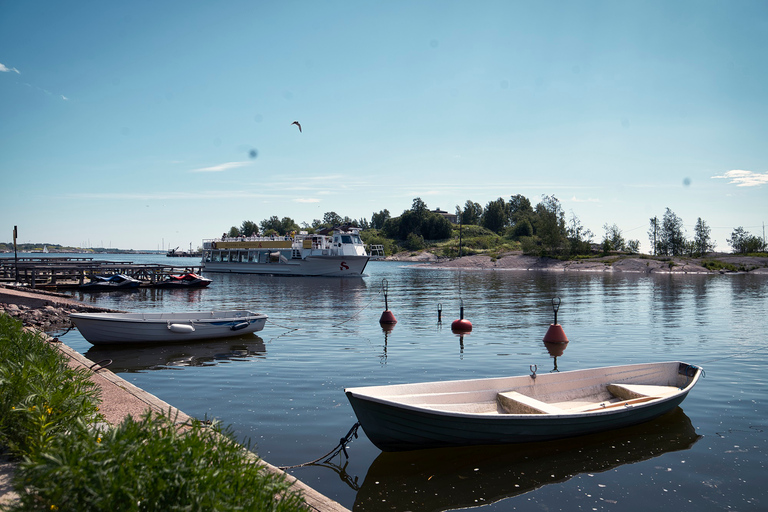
x,y
71,272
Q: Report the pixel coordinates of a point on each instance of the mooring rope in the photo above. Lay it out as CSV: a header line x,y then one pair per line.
x,y
359,310
341,447
735,355
289,329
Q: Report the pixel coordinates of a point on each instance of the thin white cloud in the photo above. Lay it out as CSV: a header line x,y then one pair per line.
x,y
744,178
133,196
5,69
222,167
306,200
590,200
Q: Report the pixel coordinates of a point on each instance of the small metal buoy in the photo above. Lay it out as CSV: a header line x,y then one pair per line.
x,y
461,325
555,333
439,313
387,317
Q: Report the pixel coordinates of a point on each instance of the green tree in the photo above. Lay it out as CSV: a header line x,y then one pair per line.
x,y
419,206
579,237
653,234
672,239
702,241
520,209
613,239
436,227
472,213
743,242
331,219
271,224
233,232
249,228
287,225
495,215
633,246
378,219
550,226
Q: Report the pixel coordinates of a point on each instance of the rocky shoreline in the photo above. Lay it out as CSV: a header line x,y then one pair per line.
x,y
45,311
623,263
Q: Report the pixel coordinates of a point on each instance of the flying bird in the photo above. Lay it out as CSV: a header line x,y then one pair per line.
x,y
297,124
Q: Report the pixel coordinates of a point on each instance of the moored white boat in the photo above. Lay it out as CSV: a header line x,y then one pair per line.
x,y
519,409
113,328
338,253
111,282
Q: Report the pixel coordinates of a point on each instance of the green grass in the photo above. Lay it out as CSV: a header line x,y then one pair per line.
x,y
48,418
151,464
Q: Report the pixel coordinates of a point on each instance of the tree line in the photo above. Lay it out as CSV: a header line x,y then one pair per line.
x,y
543,229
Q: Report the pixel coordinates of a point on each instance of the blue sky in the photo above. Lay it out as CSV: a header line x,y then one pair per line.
x,y
131,125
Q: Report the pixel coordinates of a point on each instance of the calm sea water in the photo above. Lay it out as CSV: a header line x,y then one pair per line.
x,y
283,389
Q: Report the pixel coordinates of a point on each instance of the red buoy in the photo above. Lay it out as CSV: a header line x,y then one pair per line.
x,y
555,334
387,317
461,325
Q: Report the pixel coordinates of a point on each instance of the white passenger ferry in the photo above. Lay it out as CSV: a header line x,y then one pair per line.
x,y
340,252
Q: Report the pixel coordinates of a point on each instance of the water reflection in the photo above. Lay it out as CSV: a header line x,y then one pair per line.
x,y
555,349
163,357
453,478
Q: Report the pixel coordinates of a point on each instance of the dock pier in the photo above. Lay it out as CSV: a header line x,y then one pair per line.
x,y
70,272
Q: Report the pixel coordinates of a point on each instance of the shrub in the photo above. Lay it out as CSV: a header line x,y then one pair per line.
x,y
414,242
40,394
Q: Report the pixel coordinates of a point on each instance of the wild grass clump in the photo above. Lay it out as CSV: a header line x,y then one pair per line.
x,y
151,464
40,395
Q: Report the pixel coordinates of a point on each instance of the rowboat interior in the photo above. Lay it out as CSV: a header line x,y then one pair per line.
x,y
549,394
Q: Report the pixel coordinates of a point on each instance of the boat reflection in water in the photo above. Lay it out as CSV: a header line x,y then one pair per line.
x,y
134,358
455,478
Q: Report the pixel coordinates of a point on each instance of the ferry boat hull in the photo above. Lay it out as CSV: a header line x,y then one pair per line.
x,y
337,252
330,266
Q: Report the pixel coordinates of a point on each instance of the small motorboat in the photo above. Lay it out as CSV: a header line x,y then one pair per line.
x,y
519,409
113,328
188,280
111,282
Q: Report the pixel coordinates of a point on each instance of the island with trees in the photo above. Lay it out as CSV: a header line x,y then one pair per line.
x,y
516,234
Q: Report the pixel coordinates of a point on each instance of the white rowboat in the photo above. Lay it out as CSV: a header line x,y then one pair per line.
x,y
113,328
519,409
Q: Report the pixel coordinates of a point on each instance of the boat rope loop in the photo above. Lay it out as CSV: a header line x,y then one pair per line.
x,y
100,365
341,447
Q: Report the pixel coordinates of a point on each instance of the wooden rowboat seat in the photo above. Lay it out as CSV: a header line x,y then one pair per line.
x,y
512,402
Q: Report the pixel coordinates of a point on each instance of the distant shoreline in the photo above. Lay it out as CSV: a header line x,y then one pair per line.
x,y
725,263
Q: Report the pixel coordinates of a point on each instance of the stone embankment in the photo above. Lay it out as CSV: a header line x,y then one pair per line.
x,y
45,311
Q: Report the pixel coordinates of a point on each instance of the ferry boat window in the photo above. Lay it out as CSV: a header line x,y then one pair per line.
x,y
224,256
251,254
208,256
216,255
